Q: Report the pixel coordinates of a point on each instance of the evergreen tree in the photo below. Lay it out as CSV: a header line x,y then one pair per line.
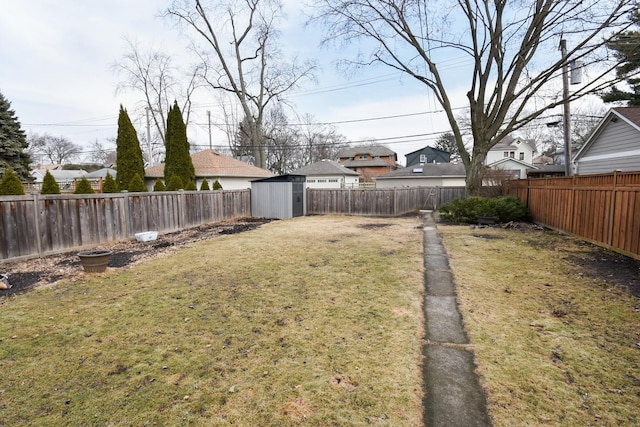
x,y
217,185
175,183
191,186
128,152
49,185
10,184
177,159
84,187
205,185
626,46
13,143
110,185
137,185
159,185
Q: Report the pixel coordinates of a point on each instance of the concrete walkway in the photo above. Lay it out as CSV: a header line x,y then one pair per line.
x,y
453,396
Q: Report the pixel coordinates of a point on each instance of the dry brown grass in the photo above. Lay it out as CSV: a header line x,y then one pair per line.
x,y
315,320
553,347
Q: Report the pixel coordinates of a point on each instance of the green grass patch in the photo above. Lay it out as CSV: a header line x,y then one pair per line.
x,y
315,320
553,347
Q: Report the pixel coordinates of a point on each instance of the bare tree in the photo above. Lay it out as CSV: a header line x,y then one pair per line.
x,y
152,74
102,155
57,149
320,141
510,46
241,56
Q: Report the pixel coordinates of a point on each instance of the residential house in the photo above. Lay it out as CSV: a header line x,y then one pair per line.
x,y
427,155
232,174
328,174
368,160
427,175
64,178
512,155
613,145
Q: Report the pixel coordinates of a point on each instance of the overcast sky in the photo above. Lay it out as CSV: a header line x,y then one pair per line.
x,y
56,70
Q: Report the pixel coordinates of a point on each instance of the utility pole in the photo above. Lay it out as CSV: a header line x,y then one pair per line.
x,y
567,114
150,152
209,120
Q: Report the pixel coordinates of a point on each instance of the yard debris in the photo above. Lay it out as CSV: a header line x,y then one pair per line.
x,y
4,282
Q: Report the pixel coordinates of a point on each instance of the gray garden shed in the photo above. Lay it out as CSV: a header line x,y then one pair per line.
x,y
279,197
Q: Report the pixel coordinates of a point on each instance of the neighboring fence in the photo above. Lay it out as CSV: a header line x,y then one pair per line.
x,y
601,208
379,202
38,224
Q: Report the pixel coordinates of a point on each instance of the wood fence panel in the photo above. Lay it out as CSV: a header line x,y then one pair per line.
x,y
603,208
39,225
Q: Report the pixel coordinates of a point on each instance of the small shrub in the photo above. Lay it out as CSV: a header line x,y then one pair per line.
x,y
191,186
49,184
205,185
504,209
159,185
110,185
10,184
175,183
217,185
84,187
137,184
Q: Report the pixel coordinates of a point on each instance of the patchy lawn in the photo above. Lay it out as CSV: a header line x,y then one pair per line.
x,y
316,320
554,325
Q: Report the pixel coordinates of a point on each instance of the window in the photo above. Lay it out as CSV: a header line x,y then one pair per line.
x,y
333,180
362,157
423,158
512,154
506,154
521,156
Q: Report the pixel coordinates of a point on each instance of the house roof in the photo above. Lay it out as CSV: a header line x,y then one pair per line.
x,y
372,150
324,167
208,163
102,173
630,115
60,175
511,160
510,142
429,170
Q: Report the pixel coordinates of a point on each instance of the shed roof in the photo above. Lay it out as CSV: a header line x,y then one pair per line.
x,y
208,163
324,167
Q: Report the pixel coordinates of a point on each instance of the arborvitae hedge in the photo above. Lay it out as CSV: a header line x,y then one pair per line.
x,y
137,185
159,185
205,185
177,158
110,185
84,187
128,152
175,183
191,186
217,185
49,184
10,184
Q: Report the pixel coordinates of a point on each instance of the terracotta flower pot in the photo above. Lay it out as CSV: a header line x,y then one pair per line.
x,y
94,261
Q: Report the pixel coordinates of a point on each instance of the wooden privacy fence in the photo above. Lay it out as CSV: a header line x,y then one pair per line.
x,y
601,208
38,224
379,201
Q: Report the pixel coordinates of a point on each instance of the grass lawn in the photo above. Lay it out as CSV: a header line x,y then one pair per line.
x,y
316,320
553,346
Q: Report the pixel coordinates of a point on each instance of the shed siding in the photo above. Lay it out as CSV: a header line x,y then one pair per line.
x,y
272,199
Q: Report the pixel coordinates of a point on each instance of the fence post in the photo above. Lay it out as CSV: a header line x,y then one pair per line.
x,y
36,221
612,211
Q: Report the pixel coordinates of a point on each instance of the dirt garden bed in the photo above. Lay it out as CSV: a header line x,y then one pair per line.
x,y
28,274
